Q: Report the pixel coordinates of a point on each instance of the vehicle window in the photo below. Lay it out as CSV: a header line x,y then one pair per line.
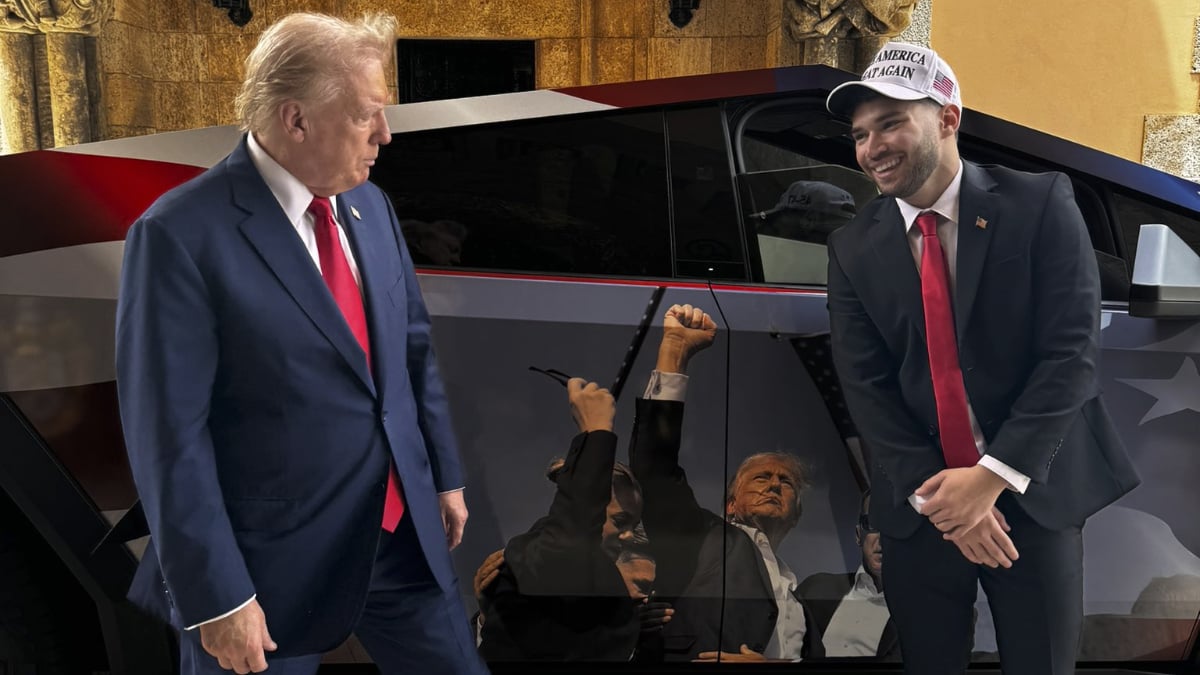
x,y
1134,212
586,195
792,195
707,236
791,213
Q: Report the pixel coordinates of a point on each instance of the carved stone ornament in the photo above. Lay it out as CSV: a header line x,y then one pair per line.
x,y
54,16
809,19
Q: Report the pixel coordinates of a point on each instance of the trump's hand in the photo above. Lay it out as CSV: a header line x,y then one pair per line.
x,y
957,499
988,542
454,516
744,655
239,641
686,331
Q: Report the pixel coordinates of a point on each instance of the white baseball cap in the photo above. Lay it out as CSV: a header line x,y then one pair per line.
x,y
901,71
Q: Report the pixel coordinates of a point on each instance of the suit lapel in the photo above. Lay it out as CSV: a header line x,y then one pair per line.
x,y
976,222
894,256
368,232
269,232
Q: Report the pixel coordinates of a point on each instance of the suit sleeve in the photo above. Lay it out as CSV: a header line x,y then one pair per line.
x,y
433,409
870,382
675,522
1066,331
561,555
166,362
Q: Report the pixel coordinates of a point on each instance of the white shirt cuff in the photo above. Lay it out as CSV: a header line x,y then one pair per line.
x,y
1017,481
917,502
218,618
666,386
446,492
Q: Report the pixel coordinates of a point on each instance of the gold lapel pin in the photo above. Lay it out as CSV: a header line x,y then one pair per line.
x,y
980,222
354,212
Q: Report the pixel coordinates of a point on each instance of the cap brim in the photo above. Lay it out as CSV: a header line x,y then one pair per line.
x,y
845,96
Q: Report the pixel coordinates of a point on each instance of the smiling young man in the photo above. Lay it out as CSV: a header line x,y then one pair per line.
x,y
965,316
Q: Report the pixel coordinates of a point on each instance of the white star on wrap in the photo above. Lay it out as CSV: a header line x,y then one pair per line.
x,y
1181,392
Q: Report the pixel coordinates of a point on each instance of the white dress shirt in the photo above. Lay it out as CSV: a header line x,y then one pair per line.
x,y
946,208
787,640
294,198
857,624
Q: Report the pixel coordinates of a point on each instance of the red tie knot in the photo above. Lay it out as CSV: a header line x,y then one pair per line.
x,y
927,221
321,209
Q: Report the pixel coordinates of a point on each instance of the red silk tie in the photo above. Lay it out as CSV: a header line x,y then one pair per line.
x,y
954,422
340,280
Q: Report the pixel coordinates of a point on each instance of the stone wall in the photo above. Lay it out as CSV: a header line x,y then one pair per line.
x,y
175,64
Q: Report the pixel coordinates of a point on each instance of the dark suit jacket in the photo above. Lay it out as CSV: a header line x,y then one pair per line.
x,y
258,438
704,564
1027,315
823,593
558,595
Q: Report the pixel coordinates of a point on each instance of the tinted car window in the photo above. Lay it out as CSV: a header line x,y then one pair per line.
x,y
585,195
793,195
707,240
1133,213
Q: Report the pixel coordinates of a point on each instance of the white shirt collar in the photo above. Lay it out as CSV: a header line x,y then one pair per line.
x,y
864,582
292,195
946,206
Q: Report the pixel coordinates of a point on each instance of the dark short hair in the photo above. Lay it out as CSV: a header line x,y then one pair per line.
x,y
622,475
864,515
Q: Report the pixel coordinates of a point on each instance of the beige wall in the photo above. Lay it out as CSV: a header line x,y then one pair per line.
x,y
1087,70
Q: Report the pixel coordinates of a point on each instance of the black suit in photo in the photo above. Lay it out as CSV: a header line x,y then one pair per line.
x,y
559,596
704,563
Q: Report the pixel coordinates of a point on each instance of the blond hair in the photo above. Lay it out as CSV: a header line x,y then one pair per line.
x,y
308,57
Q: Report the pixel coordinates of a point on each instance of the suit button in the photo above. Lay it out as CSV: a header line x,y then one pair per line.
x,y
932,430
772,616
384,416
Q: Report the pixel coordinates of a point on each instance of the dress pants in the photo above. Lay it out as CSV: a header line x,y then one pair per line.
x,y
1037,604
409,625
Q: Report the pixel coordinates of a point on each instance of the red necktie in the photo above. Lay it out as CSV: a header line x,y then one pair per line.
x,y
954,422
336,271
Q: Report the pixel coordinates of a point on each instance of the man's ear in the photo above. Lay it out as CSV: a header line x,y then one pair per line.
x,y
950,117
293,120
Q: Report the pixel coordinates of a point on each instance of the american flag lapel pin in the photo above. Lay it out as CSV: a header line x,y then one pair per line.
x,y
354,212
980,222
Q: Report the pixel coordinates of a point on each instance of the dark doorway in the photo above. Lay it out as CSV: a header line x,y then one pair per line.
x,y
429,70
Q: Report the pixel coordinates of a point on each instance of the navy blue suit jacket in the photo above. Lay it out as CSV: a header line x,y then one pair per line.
x,y
258,437
1027,317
